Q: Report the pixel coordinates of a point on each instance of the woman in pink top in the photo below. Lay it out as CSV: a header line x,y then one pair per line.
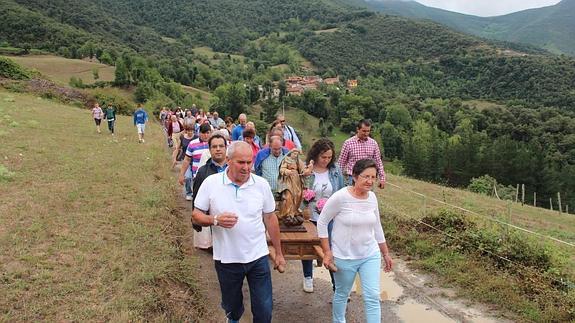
x,y
97,114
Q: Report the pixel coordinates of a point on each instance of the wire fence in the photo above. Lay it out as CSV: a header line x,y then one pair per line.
x,y
425,206
413,200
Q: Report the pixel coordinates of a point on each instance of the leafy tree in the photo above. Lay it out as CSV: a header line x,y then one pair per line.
x,y
122,74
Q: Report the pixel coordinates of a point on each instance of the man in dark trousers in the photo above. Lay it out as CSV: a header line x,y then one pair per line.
x,y
240,208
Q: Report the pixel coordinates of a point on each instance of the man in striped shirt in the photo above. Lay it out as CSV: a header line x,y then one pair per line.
x,y
359,147
194,152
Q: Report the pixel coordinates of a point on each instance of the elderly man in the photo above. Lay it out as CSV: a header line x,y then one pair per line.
x,y
358,147
289,131
240,207
268,161
239,129
257,140
216,121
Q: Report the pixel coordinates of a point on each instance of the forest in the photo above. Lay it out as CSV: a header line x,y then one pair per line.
x,y
424,85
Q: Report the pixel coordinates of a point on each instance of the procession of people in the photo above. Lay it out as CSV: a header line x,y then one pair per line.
x,y
243,190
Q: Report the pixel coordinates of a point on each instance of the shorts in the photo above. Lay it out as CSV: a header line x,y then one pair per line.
x,y
98,121
141,127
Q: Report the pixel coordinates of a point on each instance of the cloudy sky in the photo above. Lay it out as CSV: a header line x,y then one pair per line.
x,y
487,7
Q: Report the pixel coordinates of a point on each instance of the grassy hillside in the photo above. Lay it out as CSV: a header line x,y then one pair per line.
x,y
60,69
88,225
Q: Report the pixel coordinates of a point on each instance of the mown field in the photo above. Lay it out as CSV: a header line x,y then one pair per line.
x,y
89,229
60,69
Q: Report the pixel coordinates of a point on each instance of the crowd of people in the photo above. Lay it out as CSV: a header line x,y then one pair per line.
x,y
231,176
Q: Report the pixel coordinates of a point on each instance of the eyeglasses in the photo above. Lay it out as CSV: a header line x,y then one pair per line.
x,y
367,177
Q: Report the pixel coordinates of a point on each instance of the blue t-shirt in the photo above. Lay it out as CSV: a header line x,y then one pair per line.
x,y
237,132
140,116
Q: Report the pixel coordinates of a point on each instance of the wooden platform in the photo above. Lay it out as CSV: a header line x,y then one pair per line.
x,y
300,245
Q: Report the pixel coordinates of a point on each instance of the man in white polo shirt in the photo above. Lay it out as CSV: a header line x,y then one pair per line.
x,y
240,207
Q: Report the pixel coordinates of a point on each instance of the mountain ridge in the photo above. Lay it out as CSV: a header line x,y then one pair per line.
x,y
546,27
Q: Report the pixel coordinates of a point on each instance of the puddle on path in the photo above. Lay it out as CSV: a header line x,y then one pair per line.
x,y
411,311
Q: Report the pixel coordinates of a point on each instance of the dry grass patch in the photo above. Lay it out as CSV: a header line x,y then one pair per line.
x,y
86,231
60,69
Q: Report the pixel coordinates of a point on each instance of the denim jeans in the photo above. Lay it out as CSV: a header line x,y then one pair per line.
x,y
231,278
369,271
111,125
307,265
188,186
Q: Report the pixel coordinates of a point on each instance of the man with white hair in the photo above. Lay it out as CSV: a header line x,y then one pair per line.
x,y
240,207
216,121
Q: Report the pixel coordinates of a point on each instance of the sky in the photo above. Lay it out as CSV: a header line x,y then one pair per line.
x,y
486,8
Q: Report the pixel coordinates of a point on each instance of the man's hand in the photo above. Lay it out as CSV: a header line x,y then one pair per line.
x,y
227,220
181,179
280,263
381,184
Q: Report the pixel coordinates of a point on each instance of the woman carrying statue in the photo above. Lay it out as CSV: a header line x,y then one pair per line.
x,y
326,178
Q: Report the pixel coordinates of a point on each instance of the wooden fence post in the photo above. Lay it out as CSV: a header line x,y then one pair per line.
x,y
535,199
522,194
559,201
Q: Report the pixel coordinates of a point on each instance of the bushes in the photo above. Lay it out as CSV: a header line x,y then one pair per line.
x,y
517,272
11,70
122,106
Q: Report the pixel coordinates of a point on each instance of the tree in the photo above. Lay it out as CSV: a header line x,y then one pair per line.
x,y
122,75
95,73
230,99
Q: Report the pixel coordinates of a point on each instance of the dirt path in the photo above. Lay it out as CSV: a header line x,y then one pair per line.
x,y
406,296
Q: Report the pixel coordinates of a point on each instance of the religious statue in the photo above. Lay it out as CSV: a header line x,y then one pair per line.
x,y
291,181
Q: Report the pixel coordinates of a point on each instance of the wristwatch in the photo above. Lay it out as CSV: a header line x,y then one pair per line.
x,y
215,220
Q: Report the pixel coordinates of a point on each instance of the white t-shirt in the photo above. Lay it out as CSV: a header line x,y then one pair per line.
x,y
246,241
357,230
322,188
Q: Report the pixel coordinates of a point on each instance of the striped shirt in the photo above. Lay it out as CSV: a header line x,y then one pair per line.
x,y
354,149
195,149
271,170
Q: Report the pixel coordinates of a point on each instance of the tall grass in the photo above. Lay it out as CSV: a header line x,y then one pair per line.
x,y
89,225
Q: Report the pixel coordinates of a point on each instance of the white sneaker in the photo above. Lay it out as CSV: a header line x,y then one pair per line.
x,y
188,197
308,284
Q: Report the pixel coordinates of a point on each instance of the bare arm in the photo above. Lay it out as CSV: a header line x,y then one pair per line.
x,y
185,165
273,228
386,257
225,220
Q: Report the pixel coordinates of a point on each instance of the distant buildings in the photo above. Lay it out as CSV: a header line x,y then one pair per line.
x,y
296,85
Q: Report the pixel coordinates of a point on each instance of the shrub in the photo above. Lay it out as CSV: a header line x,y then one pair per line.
x,y
9,69
482,185
5,174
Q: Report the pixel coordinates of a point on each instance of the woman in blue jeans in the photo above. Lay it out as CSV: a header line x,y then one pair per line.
x,y
325,179
357,241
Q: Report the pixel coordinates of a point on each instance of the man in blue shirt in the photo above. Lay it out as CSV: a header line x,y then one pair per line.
x,y
289,131
239,129
140,119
